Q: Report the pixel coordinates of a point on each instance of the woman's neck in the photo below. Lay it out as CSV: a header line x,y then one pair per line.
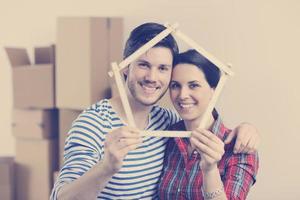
x,y
194,124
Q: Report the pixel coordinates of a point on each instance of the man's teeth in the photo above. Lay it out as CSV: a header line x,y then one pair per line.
x,y
149,89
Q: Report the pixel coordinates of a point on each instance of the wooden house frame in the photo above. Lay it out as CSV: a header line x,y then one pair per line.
x,y
170,29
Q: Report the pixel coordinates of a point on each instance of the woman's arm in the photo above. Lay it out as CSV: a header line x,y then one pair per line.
x,y
211,150
240,169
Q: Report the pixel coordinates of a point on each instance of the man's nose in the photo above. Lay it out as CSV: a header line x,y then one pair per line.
x,y
152,75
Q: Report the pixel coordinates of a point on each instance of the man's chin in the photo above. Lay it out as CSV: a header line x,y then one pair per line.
x,y
149,101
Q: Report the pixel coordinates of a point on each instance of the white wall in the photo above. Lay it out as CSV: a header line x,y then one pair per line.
x,y
260,39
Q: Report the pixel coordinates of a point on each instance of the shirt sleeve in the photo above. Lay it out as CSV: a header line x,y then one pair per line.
x,y
173,117
240,175
83,149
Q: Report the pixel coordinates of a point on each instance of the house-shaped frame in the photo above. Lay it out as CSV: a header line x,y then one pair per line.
x,y
170,29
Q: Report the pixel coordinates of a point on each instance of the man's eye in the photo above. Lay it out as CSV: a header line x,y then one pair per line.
x,y
143,65
164,68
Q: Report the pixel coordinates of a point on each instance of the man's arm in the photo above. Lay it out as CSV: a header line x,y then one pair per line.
x,y
88,185
90,162
247,138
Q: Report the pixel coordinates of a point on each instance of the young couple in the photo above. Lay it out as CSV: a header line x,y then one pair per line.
x,y
107,159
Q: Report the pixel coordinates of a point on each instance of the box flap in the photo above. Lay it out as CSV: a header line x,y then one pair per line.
x,y
17,56
44,55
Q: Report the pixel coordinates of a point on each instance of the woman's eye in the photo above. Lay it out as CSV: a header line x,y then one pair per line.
x,y
194,85
174,86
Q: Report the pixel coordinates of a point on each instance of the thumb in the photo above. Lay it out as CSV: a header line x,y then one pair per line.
x,y
231,135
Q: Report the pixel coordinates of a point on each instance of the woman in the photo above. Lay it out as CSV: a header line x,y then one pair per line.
x,y
202,167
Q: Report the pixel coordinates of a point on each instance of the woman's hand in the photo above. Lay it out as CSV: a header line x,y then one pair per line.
x,y
209,146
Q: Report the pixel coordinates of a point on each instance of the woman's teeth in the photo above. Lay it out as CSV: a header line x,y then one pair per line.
x,y
189,105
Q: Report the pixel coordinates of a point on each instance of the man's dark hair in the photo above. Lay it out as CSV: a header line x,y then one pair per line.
x,y
211,71
143,34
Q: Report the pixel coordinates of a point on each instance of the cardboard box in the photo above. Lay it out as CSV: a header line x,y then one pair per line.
x,y
85,48
36,160
7,176
66,117
33,84
35,123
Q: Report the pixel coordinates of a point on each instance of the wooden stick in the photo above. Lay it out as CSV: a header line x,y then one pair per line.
x,y
146,47
123,95
202,51
181,134
213,101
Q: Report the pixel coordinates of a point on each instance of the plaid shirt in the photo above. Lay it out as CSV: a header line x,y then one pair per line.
x,y
182,177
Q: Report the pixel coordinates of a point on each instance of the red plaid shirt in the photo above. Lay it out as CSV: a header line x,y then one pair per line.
x,y
182,177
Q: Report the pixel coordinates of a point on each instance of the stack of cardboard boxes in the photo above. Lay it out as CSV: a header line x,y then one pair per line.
x,y
85,48
50,94
35,121
7,178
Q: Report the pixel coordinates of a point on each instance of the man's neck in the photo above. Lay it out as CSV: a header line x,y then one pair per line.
x,y
140,112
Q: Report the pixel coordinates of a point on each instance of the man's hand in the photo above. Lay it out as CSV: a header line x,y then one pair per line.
x,y
247,138
117,145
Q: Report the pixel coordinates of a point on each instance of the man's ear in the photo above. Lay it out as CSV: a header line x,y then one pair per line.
x,y
125,73
126,70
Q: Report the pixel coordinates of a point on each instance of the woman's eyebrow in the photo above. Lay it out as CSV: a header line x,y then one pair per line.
x,y
194,81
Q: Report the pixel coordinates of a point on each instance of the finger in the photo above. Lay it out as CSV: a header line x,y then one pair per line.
x,y
125,142
237,145
207,141
246,142
205,154
241,148
250,147
230,136
126,149
245,150
209,135
129,134
216,155
256,145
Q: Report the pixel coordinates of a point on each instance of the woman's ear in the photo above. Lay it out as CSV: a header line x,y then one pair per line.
x,y
212,91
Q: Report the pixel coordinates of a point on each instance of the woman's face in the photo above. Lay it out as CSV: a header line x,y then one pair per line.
x,y
190,92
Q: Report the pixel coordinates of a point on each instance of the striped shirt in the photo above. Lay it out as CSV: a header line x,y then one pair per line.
x,y
182,178
138,178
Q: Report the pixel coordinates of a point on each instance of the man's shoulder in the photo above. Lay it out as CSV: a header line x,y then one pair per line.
x,y
167,114
100,111
166,111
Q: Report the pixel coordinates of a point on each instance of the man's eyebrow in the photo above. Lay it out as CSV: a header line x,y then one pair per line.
x,y
166,65
142,60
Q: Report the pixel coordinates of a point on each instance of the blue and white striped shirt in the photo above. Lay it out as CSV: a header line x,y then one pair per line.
x,y
141,170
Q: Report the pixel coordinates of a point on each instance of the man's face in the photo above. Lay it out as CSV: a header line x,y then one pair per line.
x,y
148,77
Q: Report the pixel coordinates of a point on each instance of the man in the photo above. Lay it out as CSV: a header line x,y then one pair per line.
x,y
105,158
